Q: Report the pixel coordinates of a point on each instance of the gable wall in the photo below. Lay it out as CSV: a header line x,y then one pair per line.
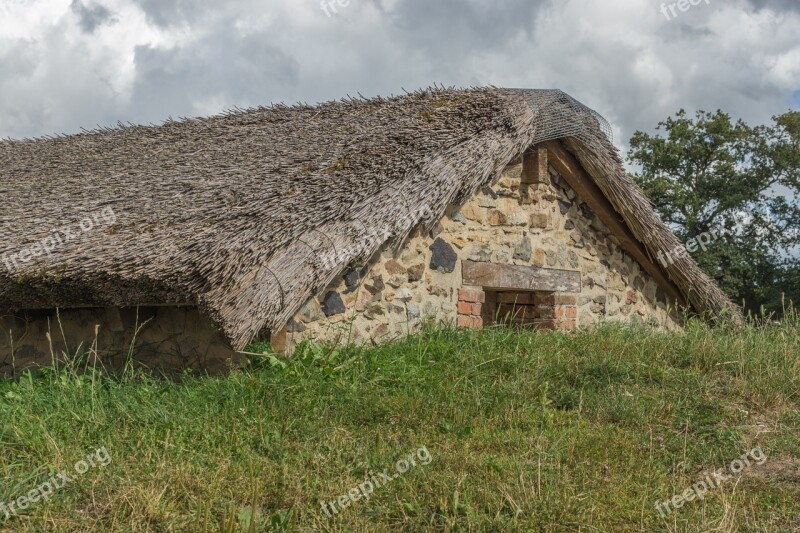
x,y
553,229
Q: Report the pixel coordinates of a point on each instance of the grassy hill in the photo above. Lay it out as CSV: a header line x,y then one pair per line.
x,y
456,431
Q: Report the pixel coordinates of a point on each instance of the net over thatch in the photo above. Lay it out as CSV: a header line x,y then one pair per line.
x,y
241,213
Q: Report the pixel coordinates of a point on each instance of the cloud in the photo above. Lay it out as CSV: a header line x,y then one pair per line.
x,y
90,17
74,63
208,74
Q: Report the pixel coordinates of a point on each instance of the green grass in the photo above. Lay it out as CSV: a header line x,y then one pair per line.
x,y
527,432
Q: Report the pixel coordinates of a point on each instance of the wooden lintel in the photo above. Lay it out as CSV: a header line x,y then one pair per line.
x,y
519,277
583,185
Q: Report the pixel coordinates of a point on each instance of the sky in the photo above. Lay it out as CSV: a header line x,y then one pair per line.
x,y
72,64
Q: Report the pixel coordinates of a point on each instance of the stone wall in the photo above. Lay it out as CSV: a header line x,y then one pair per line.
x,y
516,221
166,338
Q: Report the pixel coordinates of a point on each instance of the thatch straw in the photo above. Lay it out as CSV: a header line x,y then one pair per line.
x,y
234,212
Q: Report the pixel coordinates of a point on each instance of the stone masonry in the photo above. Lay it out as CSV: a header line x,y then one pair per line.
x,y
516,221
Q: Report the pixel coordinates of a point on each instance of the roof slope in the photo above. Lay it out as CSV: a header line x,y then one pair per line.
x,y
250,213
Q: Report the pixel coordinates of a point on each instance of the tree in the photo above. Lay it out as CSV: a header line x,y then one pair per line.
x,y
708,174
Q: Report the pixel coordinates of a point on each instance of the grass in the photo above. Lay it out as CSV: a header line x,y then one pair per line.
x,y
525,432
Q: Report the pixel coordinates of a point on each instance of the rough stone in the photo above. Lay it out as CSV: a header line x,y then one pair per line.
x,y
539,257
458,217
380,332
497,218
481,253
508,181
364,299
458,242
373,311
474,213
377,285
587,211
574,261
661,296
443,258
394,268
294,326
412,311
540,220
650,292
405,295
569,225
564,206
310,312
415,273
332,304
439,292
353,278
396,281
523,250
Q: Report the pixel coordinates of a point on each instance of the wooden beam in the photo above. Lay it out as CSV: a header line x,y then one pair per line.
x,y
584,186
519,277
534,166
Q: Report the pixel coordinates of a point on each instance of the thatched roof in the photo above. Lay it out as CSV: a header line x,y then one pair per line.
x,y
241,213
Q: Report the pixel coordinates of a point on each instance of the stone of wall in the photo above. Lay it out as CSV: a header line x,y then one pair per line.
x,y
511,222
169,339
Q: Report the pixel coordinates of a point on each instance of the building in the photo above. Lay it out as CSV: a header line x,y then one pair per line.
x,y
353,220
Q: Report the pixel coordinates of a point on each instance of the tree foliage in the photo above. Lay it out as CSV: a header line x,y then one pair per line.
x,y
711,174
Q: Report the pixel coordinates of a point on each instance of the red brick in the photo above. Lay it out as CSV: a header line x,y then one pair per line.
x,y
566,299
471,295
568,324
572,312
476,310
464,308
558,312
470,322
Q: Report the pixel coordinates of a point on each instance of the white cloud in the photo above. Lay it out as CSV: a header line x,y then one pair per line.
x,y
68,64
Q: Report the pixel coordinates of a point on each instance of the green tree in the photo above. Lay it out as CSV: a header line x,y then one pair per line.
x,y
710,174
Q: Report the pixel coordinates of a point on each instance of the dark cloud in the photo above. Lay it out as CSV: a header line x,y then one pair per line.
x,y
165,13
188,57
221,68
460,27
91,17
778,6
